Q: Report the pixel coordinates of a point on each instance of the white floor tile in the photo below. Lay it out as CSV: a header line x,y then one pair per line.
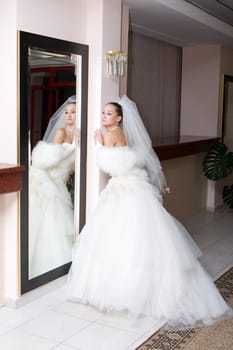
x,y
52,325
15,317
207,221
84,312
196,223
50,294
216,265
4,329
16,340
124,322
64,347
52,299
215,234
216,257
99,337
217,274
144,337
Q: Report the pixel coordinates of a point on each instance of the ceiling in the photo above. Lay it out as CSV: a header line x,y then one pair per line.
x,y
222,9
184,22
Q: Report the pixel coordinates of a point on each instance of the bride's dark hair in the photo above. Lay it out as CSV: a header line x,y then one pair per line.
x,y
118,109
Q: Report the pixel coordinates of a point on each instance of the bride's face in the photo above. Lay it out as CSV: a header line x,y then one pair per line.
x,y
109,116
70,114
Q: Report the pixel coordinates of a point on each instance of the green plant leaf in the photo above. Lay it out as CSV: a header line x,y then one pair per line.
x,y
228,196
218,162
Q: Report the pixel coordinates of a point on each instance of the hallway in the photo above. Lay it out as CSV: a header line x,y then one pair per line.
x,y
52,322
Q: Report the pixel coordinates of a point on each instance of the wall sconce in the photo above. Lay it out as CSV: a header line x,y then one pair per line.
x,y
116,63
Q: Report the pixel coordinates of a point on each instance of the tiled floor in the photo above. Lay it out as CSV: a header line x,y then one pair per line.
x,y
52,322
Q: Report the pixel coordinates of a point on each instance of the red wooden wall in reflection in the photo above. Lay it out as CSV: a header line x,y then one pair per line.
x,y
55,85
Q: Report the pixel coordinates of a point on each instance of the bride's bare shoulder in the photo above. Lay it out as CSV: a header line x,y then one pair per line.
x,y
59,135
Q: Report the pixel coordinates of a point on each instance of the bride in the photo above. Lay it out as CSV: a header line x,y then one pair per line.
x,y
133,256
51,223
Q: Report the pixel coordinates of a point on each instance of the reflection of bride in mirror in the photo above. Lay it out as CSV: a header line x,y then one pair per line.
x,y
51,224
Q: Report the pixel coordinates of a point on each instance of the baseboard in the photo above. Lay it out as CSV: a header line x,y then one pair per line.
x,y
34,294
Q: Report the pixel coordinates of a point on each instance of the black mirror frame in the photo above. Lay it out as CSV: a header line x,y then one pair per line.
x,y
27,40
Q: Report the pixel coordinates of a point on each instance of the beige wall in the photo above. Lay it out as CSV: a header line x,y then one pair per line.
x,y
8,86
63,19
105,36
8,145
219,189
188,186
201,103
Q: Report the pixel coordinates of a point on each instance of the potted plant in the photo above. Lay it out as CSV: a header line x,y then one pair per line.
x,y
218,164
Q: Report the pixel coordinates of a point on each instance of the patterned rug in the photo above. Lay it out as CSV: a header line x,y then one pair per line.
x,y
216,337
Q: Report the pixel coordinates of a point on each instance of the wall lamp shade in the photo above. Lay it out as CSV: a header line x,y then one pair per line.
x,y
116,63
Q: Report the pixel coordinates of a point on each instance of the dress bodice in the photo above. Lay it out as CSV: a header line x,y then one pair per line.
x,y
120,161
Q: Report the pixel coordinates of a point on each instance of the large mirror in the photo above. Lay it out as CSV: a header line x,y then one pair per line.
x,y
53,110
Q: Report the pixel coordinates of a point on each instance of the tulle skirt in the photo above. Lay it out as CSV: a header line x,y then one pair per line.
x,y
133,256
51,223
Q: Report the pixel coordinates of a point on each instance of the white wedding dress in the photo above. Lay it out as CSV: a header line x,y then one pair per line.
x,y
133,256
51,217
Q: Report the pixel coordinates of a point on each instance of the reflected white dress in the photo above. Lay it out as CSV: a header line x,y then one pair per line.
x,y
51,217
134,256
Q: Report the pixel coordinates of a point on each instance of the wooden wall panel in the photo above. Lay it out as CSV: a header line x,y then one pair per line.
x,y
154,83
